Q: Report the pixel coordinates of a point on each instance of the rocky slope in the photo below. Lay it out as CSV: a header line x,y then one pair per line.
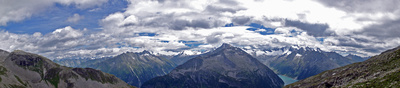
x,y
381,71
133,68
300,63
20,69
227,66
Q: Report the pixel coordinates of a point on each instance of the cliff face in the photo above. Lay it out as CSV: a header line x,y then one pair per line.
x,y
227,66
22,69
380,71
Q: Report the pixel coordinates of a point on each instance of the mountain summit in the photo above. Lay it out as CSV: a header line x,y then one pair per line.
x,y
227,66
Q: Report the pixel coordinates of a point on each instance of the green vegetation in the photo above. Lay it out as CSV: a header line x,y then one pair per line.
x,y
3,70
53,76
20,81
38,68
55,81
96,75
390,81
382,71
14,86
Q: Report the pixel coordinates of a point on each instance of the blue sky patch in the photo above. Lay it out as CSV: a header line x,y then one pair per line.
x,y
56,17
147,34
261,29
164,41
229,25
320,39
191,43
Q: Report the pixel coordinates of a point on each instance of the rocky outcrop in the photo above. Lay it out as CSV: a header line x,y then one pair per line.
x,y
27,70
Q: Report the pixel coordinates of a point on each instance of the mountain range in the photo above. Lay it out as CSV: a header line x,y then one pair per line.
x,y
294,62
133,68
20,69
227,66
302,62
381,71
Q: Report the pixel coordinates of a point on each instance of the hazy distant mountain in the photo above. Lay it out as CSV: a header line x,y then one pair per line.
x,y
79,62
133,68
356,58
381,71
20,69
227,66
300,63
181,58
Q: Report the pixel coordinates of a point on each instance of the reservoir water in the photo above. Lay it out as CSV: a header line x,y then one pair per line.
x,y
287,80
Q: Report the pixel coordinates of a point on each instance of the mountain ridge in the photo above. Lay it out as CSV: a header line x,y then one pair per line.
x,y
23,69
133,67
299,62
226,66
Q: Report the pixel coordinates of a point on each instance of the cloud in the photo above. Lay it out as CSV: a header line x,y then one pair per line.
x,y
15,11
387,29
369,6
241,20
82,4
75,18
312,29
179,14
303,23
217,9
60,38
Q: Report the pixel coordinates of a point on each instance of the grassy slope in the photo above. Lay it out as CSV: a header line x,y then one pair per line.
x,y
379,71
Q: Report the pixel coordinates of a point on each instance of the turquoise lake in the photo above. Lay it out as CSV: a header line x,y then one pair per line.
x,y
287,80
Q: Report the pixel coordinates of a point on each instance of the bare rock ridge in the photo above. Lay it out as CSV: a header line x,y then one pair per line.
x,y
227,66
381,71
20,69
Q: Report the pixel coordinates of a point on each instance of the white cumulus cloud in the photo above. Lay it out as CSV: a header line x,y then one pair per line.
x,y
75,18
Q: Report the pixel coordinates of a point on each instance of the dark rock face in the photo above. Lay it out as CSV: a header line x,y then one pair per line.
x,y
301,63
93,74
31,61
227,66
381,71
22,69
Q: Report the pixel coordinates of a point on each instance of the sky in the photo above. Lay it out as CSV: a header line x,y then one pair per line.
x,y
61,29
